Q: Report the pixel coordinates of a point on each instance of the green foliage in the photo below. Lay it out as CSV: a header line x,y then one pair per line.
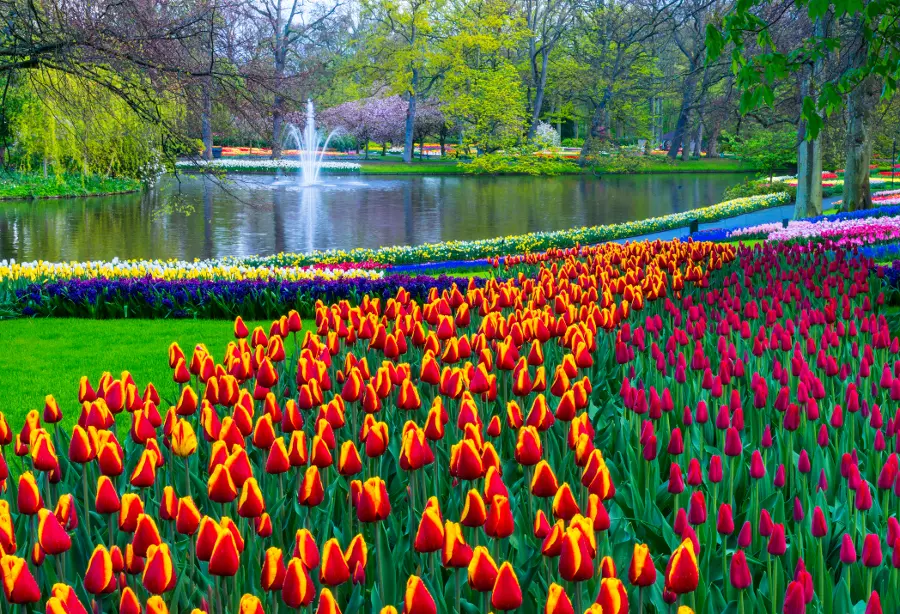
x,y
21,185
69,126
619,161
766,150
759,64
753,187
483,89
570,142
519,163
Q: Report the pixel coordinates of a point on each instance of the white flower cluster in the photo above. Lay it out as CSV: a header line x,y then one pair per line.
x,y
285,164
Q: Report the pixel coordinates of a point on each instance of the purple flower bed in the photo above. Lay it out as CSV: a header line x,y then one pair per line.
x,y
256,299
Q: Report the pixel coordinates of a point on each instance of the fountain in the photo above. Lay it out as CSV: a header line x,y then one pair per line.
x,y
308,144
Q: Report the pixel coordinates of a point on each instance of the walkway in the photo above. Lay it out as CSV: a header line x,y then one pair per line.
x,y
763,216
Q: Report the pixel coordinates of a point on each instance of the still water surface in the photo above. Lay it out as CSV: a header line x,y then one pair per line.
x,y
252,214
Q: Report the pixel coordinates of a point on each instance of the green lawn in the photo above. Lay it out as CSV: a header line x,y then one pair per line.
x,y
49,356
19,185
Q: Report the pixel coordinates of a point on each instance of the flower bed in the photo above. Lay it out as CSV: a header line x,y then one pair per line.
x,y
193,298
41,271
521,244
633,426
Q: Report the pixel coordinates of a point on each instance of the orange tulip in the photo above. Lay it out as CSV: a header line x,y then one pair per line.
x,y
297,590
305,549
80,448
543,482
184,440
278,461
482,570
144,474
129,602
63,600
564,504
474,512
357,554
682,572
499,523
146,534
576,563
132,507
311,492
159,571
7,529
225,559
168,506
417,599
156,605
612,597
221,488
528,446
273,570
19,585
99,575
507,594
51,535
374,504
188,516
334,570
558,601
642,572
107,499
327,603
430,534
251,504
28,499
109,457
250,604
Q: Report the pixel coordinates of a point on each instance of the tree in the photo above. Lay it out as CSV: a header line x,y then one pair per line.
x,y
868,33
767,150
291,25
401,51
611,44
482,89
547,21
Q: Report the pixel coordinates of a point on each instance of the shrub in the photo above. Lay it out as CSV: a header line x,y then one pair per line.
x,y
570,142
754,187
519,164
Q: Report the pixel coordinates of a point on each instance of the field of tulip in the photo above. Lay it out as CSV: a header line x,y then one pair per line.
x,y
614,428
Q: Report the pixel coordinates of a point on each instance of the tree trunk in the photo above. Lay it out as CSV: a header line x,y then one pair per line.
x,y
597,128
712,141
809,151
539,89
206,119
698,144
278,103
684,116
861,104
686,144
411,117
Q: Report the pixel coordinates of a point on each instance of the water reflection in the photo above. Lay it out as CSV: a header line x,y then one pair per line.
x,y
204,218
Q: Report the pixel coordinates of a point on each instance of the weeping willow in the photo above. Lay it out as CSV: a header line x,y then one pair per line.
x,y
69,125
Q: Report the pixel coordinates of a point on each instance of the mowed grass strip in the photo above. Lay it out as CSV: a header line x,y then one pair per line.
x,y
49,356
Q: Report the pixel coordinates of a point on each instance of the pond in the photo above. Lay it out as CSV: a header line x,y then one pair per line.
x,y
197,217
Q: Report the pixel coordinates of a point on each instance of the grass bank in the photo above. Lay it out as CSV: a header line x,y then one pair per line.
x,y
423,167
49,356
16,185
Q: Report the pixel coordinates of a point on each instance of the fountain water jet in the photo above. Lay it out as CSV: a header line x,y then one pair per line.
x,y
307,142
